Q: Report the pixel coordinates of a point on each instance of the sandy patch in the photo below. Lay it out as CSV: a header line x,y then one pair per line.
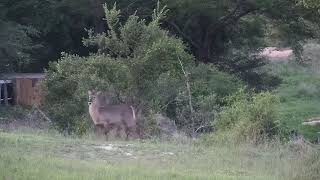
x,y
277,54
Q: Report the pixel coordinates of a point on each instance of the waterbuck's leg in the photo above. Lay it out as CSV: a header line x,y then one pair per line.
x,y
126,130
118,131
99,129
106,132
107,128
130,130
133,131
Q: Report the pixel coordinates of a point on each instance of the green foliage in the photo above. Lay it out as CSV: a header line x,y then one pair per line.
x,y
311,55
250,118
311,3
68,81
227,33
139,63
209,86
207,79
16,46
59,26
213,29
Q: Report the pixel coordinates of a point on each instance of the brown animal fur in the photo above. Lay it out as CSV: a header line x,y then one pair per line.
x,y
107,117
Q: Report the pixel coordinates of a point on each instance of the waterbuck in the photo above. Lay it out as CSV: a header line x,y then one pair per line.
x,y
107,116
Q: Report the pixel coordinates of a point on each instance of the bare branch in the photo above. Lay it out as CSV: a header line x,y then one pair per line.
x,y
189,93
204,126
42,113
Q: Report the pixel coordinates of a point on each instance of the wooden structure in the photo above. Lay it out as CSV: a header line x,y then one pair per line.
x,y
21,88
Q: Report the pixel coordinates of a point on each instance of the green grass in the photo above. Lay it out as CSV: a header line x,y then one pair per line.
x,y
300,96
44,156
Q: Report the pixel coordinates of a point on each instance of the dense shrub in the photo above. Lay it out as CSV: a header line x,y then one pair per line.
x,y
249,118
209,87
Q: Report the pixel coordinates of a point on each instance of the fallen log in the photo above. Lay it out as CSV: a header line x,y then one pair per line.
x,y
312,122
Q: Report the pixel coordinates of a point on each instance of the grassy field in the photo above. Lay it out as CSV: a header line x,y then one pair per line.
x,y
300,96
43,156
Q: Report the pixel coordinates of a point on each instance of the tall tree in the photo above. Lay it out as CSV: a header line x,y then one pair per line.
x,y
228,32
16,44
60,25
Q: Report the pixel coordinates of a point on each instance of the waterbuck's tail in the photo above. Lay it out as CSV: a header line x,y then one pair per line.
x,y
137,115
133,113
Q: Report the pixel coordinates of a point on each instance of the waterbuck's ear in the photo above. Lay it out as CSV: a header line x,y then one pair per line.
x,y
91,92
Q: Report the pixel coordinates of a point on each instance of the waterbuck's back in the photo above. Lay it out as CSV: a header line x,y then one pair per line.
x,y
113,114
118,114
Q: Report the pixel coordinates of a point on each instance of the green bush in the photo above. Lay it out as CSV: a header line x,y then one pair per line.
x,y
141,64
131,61
249,118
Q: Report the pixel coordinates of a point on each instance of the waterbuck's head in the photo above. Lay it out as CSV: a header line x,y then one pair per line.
x,y
98,97
91,96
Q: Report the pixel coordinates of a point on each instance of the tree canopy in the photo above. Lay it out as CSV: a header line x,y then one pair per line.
x,y
225,33
36,31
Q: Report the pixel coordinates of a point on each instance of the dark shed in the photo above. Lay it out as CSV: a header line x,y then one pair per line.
x,y
21,88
